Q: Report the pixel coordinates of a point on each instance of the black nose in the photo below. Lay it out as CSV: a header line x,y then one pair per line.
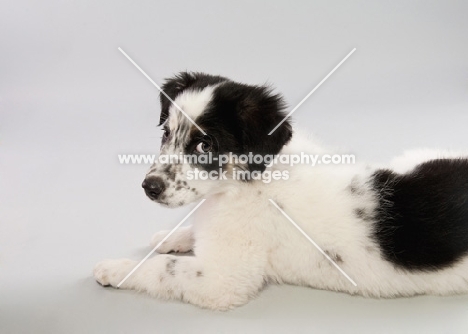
x,y
154,186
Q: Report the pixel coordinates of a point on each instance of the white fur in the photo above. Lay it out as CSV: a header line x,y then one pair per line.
x,y
193,103
241,242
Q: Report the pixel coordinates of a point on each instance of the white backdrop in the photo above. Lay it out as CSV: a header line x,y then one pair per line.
x,y
70,102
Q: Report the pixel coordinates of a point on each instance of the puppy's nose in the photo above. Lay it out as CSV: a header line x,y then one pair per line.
x,y
154,186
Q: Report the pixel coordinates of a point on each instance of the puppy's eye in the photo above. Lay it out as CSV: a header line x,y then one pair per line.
x,y
203,147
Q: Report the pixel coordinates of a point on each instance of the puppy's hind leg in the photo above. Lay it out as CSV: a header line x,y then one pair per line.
x,y
181,241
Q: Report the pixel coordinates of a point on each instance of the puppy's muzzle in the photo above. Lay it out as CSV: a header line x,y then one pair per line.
x,y
154,186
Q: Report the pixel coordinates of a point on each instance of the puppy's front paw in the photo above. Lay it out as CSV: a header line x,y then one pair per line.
x,y
177,242
112,272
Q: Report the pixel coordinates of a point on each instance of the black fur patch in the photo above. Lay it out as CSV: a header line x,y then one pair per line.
x,y
240,117
170,172
363,214
237,120
422,219
335,257
170,266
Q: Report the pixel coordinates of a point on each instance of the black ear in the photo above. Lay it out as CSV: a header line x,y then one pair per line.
x,y
173,87
261,112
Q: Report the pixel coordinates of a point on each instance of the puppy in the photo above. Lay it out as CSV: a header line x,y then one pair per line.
x,y
398,231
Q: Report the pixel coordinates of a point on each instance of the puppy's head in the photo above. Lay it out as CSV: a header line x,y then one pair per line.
x,y
236,119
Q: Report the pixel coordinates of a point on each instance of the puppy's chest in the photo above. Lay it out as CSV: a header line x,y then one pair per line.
x,y
330,218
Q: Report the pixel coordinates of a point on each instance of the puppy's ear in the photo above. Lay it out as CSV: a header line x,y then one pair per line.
x,y
173,87
262,112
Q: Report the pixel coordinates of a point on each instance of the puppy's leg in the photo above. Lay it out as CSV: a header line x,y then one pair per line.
x,y
181,241
221,284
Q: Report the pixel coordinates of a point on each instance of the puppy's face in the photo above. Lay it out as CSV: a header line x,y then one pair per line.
x,y
236,119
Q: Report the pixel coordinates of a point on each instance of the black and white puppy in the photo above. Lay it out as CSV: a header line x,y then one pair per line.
x,y
399,231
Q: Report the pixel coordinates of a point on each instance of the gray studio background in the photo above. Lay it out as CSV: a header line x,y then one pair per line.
x,y
70,102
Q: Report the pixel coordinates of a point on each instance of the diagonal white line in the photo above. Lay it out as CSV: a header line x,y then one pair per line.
x,y
157,246
313,242
162,92
313,90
